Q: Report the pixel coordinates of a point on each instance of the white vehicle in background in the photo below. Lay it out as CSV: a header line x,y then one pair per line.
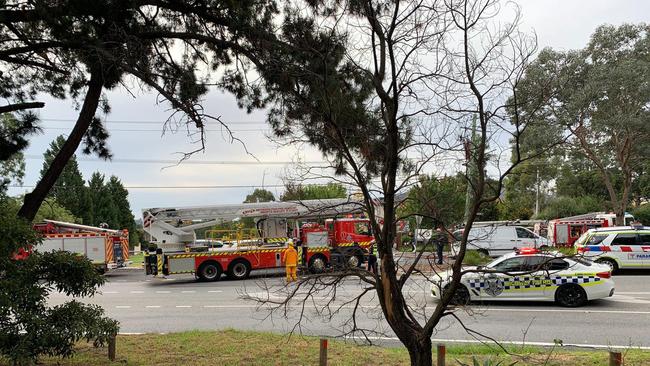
x,y
532,275
496,240
617,246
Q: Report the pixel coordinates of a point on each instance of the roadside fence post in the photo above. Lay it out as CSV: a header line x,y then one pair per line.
x,y
323,352
111,348
441,352
615,358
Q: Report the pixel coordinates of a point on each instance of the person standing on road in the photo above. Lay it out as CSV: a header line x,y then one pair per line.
x,y
372,259
290,258
441,241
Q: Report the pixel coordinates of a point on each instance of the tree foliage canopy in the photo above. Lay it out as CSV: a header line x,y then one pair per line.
x,y
297,192
597,101
29,327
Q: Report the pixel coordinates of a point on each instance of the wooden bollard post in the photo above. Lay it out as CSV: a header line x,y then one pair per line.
x,y
441,352
615,358
111,348
323,352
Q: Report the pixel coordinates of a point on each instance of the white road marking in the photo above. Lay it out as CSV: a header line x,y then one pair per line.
x,y
152,306
188,292
137,292
123,306
230,306
586,311
163,292
527,343
474,309
110,292
632,293
215,291
627,299
183,306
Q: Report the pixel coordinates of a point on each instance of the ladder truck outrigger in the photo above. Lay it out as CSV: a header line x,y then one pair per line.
x,y
329,237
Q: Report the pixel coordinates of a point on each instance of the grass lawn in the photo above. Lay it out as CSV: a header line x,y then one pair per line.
x,y
233,347
137,259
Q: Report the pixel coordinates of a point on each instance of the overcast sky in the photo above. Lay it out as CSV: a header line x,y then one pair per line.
x,y
137,124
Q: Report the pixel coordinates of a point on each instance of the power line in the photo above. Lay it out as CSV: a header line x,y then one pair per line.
x,y
172,187
159,130
190,162
155,122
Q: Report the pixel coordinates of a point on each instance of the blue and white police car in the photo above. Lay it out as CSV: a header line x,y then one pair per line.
x,y
617,246
529,274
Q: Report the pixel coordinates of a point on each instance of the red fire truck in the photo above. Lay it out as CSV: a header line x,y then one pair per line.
x,y
337,241
106,248
565,231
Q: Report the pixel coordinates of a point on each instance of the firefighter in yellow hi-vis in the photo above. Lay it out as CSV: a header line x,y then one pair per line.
x,y
290,258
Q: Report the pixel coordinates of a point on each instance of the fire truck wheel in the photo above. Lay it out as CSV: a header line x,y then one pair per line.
x,y
317,264
354,261
239,269
209,271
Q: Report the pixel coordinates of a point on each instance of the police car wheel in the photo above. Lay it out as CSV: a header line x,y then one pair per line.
x,y
209,271
570,296
608,262
239,270
461,297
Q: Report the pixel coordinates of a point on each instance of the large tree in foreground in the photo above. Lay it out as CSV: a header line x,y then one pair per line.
x,y
384,89
598,97
78,49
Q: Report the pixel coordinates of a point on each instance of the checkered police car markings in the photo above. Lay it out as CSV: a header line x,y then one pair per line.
x,y
493,285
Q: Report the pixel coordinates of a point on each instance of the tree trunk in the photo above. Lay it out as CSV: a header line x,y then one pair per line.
x,y
34,199
620,218
420,352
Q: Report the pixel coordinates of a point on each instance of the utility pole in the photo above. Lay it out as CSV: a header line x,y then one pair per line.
x,y
470,169
537,193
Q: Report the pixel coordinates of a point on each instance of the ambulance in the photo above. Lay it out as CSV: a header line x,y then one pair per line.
x,y
619,247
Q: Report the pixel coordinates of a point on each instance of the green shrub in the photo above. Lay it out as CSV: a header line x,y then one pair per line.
x,y
642,213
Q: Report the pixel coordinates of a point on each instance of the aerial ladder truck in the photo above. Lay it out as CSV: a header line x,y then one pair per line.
x,y
329,233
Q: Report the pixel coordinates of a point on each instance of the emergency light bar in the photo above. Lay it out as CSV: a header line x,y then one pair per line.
x,y
527,251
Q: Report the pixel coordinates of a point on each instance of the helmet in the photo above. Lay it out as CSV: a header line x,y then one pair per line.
x,y
290,242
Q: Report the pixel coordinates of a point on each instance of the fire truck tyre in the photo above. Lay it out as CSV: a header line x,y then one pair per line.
x,y
239,269
317,264
570,296
461,297
209,271
354,261
609,262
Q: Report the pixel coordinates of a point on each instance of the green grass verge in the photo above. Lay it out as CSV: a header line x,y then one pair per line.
x,y
233,347
136,259
476,258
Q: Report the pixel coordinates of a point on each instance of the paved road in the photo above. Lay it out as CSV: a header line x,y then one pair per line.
x,y
158,305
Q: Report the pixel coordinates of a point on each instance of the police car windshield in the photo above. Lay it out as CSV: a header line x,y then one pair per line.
x,y
581,240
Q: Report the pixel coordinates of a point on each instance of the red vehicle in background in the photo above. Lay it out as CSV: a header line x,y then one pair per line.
x,y
328,243
105,248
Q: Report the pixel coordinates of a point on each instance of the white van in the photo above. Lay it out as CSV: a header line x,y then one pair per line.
x,y
496,240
